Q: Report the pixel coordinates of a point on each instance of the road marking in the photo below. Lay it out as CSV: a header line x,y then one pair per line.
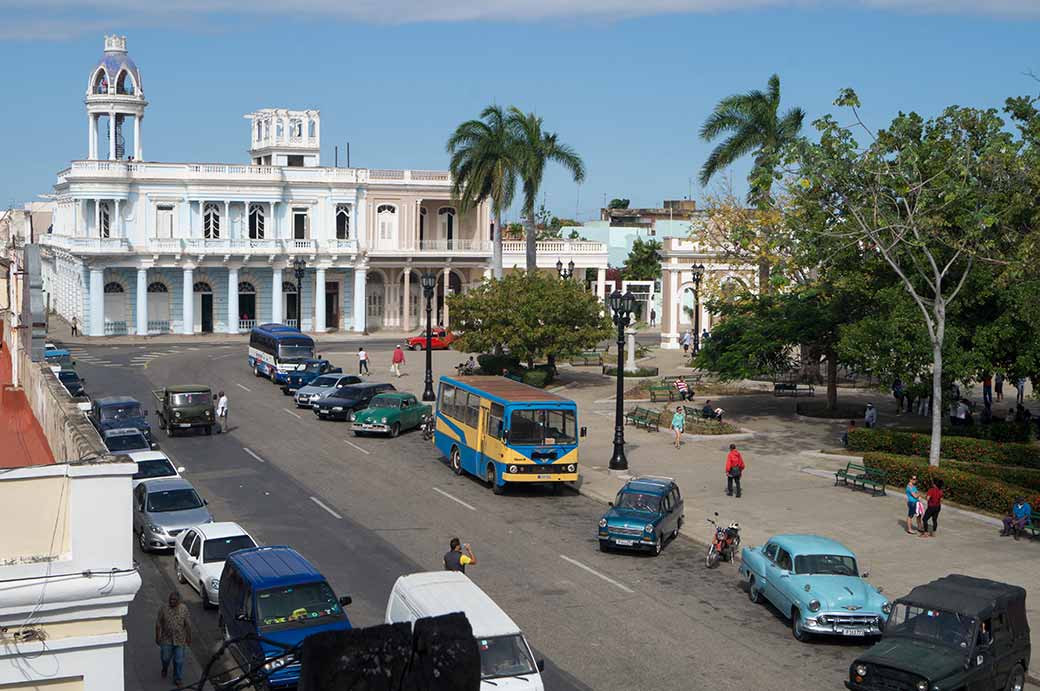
x,y
459,501
292,413
322,505
347,441
241,387
596,573
253,455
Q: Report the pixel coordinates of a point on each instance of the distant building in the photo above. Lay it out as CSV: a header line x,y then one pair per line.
x,y
673,210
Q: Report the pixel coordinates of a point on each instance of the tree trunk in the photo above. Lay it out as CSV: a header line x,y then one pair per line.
x,y
531,236
496,248
937,388
763,278
832,381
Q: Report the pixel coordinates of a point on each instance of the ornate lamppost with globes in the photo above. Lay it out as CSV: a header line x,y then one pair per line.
x,y
621,307
299,266
428,281
698,273
562,272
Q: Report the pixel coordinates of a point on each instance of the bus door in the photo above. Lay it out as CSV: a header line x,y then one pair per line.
x,y
478,448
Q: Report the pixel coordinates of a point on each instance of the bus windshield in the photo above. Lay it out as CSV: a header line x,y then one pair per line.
x,y
542,427
297,350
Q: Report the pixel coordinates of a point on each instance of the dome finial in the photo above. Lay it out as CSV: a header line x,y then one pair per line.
x,y
115,44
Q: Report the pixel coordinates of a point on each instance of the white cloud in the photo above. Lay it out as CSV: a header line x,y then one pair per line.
x,y
60,18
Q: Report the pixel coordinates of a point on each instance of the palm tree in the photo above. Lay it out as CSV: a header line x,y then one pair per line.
x,y
755,126
536,148
484,165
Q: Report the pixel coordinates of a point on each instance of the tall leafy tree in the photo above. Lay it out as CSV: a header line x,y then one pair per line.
x,y
535,148
484,166
755,126
643,262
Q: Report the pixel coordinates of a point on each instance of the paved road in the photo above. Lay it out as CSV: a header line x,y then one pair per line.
x,y
368,510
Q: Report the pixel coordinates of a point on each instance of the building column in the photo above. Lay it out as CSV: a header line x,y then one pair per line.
x,y
447,291
232,300
117,221
97,302
670,308
188,300
361,234
142,302
319,300
407,316
601,284
244,230
276,295
91,145
225,220
271,231
360,304
137,136
111,136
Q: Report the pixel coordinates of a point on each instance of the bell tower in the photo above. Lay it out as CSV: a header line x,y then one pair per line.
x,y
114,97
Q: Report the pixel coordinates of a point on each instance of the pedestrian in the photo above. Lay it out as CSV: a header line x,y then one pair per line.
x,y
683,388
362,358
685,340
734,469
935,495
898,394
396,361
75,326
678,425
1020,384
173,635
848,430
222,411
704,336
870,417
912,497
653,317
998,386
455,560
1020,515
987,390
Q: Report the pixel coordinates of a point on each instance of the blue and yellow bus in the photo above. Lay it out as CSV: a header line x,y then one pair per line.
x,y
505,432
276,349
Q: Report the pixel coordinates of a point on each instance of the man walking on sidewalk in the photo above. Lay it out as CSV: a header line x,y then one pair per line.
x,y
75,326
362,361
396,361
734,469
173,636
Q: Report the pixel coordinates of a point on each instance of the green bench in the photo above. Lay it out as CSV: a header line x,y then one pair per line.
x,y
782,388
588,358
859,476
663,391
643,417
1033,528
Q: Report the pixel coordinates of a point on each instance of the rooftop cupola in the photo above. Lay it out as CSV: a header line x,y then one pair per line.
x,y
280,137
114,95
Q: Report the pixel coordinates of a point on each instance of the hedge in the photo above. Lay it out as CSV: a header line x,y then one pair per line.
x,y
996,431
494,364
965,449
536,377
1023,477
640,371
967,489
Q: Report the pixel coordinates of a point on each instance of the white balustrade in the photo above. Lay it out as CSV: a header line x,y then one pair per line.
x,y
246,324
115,328
156,326
188,171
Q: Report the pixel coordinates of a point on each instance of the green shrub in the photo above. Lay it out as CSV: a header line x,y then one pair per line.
x,y
536,377
967,489
1023,477
494,364
956,448
995,431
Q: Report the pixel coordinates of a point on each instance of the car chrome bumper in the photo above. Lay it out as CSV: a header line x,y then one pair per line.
x,y
813,625
647,541
370,427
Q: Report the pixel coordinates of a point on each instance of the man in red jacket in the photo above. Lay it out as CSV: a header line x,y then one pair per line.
x,y
734,469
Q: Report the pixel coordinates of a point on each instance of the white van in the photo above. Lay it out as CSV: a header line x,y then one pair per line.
x,y
506,660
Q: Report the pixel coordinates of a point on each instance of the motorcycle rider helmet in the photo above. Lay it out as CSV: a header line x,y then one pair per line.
x,y
734,526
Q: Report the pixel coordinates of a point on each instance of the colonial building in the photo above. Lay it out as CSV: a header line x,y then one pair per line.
x,y
143,247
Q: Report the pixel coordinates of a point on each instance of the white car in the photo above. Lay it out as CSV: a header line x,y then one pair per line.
x,y
198,556
153,464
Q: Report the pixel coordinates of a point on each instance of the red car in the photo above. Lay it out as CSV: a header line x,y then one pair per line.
x,y
440,339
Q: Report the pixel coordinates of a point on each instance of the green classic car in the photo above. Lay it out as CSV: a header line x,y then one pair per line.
x,y
390,413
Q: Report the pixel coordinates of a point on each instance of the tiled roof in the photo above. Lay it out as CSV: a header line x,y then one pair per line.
x,y
22,442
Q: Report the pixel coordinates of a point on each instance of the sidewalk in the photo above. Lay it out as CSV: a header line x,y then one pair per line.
x,y
788,487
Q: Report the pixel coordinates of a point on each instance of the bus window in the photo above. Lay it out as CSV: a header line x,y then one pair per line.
x,y
525,427
495,420
559,425
447,400
471,415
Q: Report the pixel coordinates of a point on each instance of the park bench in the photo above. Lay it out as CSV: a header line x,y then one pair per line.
x,y
1032,528
643,417
784,388
662,391
591,357
859,476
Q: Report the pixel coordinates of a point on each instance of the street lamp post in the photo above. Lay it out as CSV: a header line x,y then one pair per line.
x,y
299,266
622,307
428,281
698,274
562,272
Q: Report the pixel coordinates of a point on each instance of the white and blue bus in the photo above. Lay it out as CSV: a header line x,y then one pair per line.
x,y
276,349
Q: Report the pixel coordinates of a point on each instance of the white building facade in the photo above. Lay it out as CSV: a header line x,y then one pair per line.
x,y
141,247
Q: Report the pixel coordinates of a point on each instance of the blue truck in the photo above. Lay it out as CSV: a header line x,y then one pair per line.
x,y
114,412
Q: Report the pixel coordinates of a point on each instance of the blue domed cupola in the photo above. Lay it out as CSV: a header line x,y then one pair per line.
x,y
114,94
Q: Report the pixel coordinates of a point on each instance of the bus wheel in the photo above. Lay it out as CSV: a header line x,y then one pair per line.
x,y
490,475
455,461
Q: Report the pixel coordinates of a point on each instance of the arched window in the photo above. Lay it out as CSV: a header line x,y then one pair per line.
x,y
288,287
157,287
211,221
113,287
246,288
422,225
295,129
386,209
201,287
104,220
446,220
310,129
256,222
343,221
386,215
125,83
100,82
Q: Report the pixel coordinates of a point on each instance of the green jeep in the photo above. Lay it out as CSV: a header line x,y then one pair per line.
x,y
185,407
956,633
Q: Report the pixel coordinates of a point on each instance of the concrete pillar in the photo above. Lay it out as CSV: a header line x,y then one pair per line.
x,y
319,300
271,230
630,347
188,300
116,222
142,302
232,300
91,134
601,284
407,316
447,292
111,136
225,219
137,137
276,295
360,304
97,302
670,308
362,220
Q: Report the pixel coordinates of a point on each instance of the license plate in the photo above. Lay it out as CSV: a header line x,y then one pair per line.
x,y
185,424
624,543
853,632
545,477
367,426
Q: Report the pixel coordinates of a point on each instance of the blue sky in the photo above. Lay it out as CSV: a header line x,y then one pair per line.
x,y
627,84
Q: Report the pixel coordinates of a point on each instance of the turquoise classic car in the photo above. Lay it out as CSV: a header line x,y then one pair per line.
x,y
816,582
647,511
391,412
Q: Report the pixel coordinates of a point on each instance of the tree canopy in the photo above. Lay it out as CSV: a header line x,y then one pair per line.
x,y
643,262
616,203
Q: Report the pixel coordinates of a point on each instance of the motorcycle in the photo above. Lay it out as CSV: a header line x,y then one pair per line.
x,y
724,545
427,427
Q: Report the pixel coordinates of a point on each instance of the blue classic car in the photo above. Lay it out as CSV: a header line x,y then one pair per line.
x,y
647,511
815,581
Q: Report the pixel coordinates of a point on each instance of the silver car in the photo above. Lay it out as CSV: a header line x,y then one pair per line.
x,y
126,440
325,385
163,508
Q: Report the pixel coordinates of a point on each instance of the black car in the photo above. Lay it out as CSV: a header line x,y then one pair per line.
x,y
957,632
72,383
343,403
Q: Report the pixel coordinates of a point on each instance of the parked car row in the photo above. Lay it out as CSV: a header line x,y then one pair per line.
x,y
64,368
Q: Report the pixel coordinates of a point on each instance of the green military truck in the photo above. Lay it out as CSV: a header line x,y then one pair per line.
x,y
185,407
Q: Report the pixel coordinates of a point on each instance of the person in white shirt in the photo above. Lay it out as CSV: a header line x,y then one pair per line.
x,y
870,417
362,357
222,411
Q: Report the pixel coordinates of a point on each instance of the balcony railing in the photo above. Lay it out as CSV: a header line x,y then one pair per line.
x,y
557,248
158,326
246,324
86,245
455,245
115,328
297,246
295,323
